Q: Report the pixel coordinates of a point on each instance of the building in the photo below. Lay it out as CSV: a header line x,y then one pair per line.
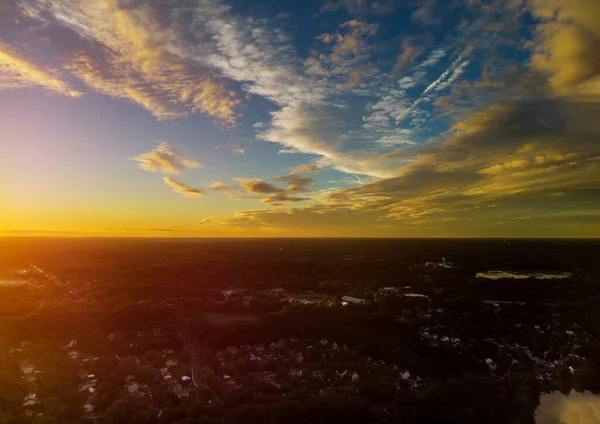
x,y
296,372
350,299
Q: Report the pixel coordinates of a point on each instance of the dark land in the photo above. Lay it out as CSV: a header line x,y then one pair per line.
x,y
293,331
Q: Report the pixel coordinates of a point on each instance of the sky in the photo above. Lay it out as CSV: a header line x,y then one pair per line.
x,y
325,118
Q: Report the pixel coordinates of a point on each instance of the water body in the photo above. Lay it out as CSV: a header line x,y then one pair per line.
x,y
574,408
498,275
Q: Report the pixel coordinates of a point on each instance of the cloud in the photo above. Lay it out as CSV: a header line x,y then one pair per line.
x,y
296,184
523,151
163,159
352,42
305,168
226,189
179,187
360,7
449,76
494,168
282,15
568,44
18,72
425,14
237,150
133,55
256,186
410,51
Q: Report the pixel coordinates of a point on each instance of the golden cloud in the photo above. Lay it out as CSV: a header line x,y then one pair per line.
x,y
495,168
305,168
17,72
135,57
569,44
163,159
277,196
256,186
352,42
224,188
179,187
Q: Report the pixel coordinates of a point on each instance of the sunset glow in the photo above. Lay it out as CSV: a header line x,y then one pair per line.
x,y
334,118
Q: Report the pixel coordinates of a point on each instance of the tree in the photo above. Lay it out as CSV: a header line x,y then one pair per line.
x,y
120,412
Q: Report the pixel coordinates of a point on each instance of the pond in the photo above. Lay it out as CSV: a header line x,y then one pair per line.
x,y
497,275
14,282
574,408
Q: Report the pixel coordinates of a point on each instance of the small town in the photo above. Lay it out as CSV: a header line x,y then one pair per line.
x,y
80,349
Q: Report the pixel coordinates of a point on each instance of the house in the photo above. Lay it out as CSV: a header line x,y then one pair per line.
x,y
246,348
186,378
295,372
170,363
231,384
259,347
132,387
88,407
318,374
324,342
279,344
342,374
405,375
87,387
232,350
186,391
490,363
26,368
175,387
350,299
73,354
328,391
299,358
30,400
355,377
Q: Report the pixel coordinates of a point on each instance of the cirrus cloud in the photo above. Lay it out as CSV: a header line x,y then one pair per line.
x,y
164,159
179,187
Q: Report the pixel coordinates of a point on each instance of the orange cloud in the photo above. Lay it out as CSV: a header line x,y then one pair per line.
x,y
138,60
568,47
179,187
163,159
17,72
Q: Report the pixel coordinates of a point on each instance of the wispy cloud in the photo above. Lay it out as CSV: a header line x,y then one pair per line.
x,y
18,72
237,150
256,186
164,159
226,189
179,187
305,168
133,56
296,184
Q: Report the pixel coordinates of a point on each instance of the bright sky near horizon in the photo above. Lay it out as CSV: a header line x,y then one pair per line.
x,y
326,118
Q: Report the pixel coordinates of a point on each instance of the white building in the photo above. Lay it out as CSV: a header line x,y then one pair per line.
x,y
350,299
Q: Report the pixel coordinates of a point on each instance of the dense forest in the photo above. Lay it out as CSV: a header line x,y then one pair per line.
x,y
254,331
